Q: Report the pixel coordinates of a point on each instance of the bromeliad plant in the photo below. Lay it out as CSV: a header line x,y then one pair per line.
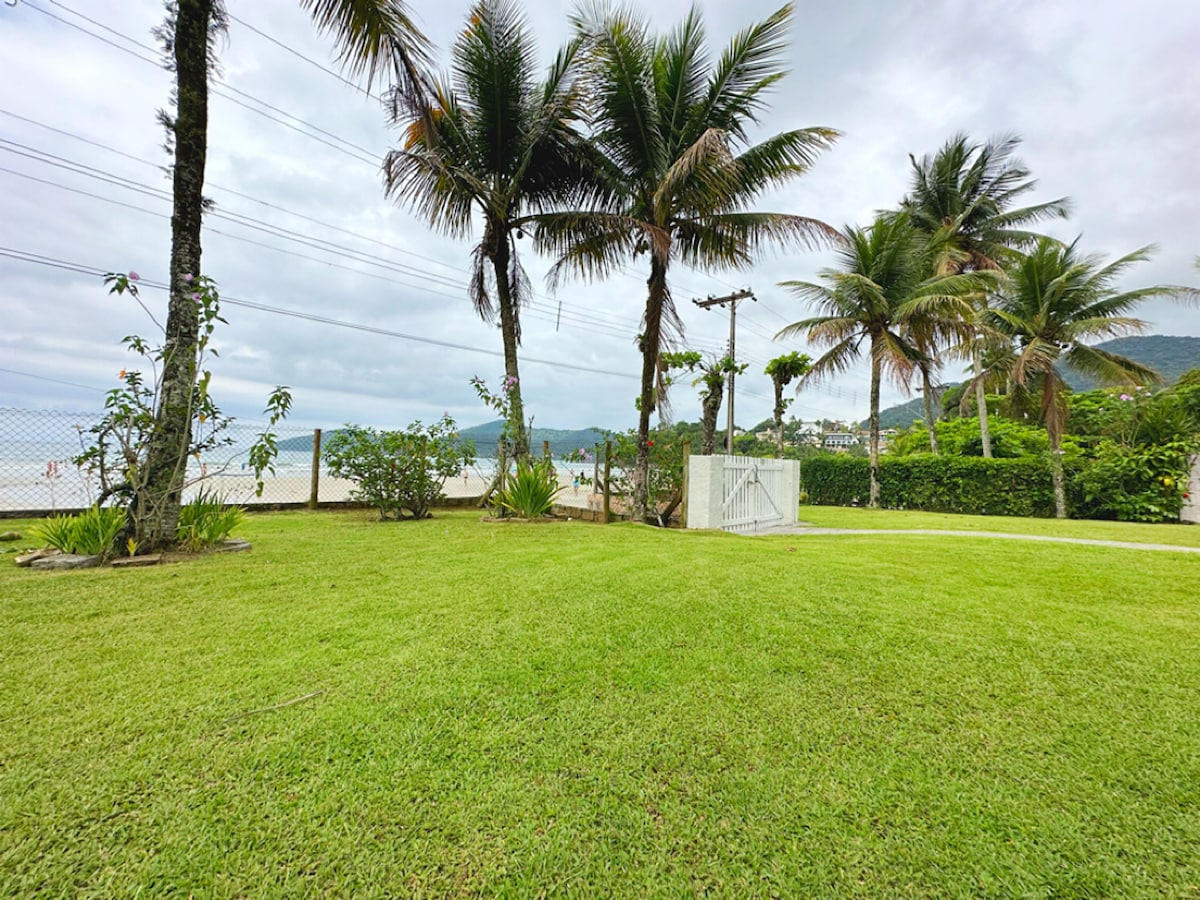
x,y
531,492
91,533
207,521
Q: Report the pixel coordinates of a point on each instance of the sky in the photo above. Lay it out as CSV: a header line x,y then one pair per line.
x,y
1105,95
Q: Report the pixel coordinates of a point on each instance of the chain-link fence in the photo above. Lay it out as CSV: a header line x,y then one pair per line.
x,y
38,474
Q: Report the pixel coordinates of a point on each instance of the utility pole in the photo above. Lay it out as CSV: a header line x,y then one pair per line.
x,y
732,300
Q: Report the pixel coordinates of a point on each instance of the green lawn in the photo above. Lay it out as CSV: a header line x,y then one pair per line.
x,y
858,517
579,710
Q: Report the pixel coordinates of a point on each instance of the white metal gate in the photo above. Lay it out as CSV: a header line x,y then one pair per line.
x,y
750,488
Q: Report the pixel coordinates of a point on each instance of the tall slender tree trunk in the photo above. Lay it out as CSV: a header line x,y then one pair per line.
x,y
873,446
778,383
510,333
154,513
1056,475
985,435
710,406
651,341
930,420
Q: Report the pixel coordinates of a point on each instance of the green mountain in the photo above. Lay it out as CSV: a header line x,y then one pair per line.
x,y
561,440
485,437
1169,355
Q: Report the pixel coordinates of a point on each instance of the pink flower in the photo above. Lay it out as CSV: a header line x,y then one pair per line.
x,y
134,276
196,296
188,277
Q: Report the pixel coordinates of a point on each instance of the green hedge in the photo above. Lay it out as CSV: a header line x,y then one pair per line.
x,y
964,484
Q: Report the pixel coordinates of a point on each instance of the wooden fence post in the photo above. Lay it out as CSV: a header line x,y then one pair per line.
x,y
545,449
316,469
683,486
607,478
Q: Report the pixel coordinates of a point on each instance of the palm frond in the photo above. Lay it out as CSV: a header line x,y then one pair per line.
x,y
1109,368
735,240
704,168
372,35
835,361
750,64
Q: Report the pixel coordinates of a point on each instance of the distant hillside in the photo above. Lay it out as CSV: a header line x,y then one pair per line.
x,y
561,440
1169,355
485,437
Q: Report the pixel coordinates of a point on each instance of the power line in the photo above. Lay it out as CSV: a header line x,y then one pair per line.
x,y
309,60
52,262
85,387
218,92
581,319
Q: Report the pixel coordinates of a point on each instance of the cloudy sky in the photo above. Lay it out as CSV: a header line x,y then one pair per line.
x,y
1106,95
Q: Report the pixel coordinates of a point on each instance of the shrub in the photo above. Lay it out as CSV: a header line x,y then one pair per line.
x,y
207,521
396,471
1009,487
1137,484
532,490
91,533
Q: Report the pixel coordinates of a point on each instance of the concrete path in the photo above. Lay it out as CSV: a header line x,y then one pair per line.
x,y
803,530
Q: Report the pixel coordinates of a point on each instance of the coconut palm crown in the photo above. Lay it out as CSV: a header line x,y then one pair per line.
x,y
1053,301
498,144
965,198
678,173
884,294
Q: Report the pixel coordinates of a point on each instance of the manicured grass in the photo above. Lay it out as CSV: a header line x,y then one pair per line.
x,y
581,710
1136,532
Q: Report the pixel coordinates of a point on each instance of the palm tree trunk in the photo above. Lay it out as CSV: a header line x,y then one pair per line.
x,y
778,417
1056,476
985,436
651,339
710,407
873,447
510,335
154,513
930,421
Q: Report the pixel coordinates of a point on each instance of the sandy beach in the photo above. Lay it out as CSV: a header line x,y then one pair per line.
x,y
238,487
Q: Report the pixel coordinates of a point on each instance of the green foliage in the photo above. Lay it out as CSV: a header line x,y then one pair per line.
x,y
665,478
532,490
1145,483
133,414
396,471
1136,416
91,533
1008,487
961,437
207,521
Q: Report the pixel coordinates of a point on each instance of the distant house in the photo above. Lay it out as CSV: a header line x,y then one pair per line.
x,y
838,440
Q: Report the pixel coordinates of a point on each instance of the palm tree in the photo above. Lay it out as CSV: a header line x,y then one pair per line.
x,y
373,35
678,172
783,370
880,296
501,144
1055,299
964,197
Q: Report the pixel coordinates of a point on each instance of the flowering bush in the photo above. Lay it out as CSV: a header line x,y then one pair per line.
x,y
396,471
131,415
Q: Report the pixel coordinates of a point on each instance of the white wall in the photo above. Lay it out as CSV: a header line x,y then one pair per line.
x,y
1191,506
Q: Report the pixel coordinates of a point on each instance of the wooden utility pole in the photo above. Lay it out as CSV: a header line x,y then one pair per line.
x,y
732,300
